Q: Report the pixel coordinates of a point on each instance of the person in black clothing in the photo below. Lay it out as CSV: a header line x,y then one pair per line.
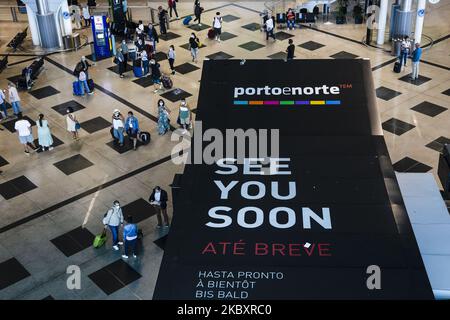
x,y
139,45
156,74
159,199
194,45
153,35
86,65
290,50
198,12
162,16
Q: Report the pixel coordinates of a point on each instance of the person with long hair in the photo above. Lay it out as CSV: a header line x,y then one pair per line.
x,y
163,117
72,123
45,139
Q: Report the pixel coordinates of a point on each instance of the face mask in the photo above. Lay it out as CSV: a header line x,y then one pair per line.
x,y
161,103
183,103
117,206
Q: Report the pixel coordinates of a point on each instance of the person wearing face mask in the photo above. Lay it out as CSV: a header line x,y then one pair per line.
x,y
118,126
114,219
158,199
132,128
156,75
163,117
184,116
193,45
153,36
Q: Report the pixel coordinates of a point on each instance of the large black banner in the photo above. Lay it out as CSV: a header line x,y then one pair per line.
x,y
321,218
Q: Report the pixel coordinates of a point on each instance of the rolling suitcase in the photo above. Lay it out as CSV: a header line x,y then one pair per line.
x,y
397,67
91,85
100,239
211,34
138,71
76,88
166,82
187,20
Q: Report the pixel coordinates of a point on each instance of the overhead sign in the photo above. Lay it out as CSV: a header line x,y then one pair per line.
x,y
313,218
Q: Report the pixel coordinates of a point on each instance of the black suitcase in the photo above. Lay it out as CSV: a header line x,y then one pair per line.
x,y
144,137
397,67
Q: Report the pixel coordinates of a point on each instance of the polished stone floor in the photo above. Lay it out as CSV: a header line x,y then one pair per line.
x,y
46,197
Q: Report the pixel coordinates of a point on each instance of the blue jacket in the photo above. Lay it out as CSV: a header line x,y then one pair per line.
x,y
417,53
134,122
130,230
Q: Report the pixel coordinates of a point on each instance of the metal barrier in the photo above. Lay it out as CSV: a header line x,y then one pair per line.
x,y
12,14
145,13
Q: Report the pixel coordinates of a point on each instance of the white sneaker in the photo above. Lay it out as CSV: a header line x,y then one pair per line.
x,y
124,256
199,24
116,248
134,256
51,148
120,243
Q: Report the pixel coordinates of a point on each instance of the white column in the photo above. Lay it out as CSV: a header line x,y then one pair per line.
x,y
32,24
420,14
67,20
382,21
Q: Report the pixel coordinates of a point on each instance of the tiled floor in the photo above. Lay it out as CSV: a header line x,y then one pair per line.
x,y
46,197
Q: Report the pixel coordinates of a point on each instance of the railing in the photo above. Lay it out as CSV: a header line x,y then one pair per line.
x,y
12,13
145,13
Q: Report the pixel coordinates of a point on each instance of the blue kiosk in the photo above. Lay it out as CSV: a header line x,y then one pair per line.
x,y
103,42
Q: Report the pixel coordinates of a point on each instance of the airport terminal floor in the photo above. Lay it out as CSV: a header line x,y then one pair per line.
x,y
52,203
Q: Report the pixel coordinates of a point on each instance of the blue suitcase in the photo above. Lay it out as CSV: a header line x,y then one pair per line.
x,y
138,72
76,88
187,20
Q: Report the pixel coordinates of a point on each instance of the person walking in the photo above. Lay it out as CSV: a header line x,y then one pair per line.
x,y
270,28
24,132
156,75
171,58
3,103
145,63
217,25
404,51
118,126
158,199
125,50
14,99
194,45
163,118
45,139
290,50
198,12
132,128
84,84
114,219
416,55
184,116
162,17
120,62
86,16
172,6
130,236
72,123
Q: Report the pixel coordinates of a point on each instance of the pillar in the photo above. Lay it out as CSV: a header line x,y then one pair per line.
x,y
382,21
32,25
420,15
67,21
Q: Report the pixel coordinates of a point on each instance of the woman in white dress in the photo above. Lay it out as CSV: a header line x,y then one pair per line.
x,y
72,123
45,139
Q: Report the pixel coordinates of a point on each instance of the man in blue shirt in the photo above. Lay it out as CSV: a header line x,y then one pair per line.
x,y
417,53
132,128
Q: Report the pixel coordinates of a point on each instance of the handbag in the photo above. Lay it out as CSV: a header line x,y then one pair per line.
x,y
77,126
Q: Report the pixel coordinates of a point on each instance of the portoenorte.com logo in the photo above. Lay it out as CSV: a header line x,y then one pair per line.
x,y
240,92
